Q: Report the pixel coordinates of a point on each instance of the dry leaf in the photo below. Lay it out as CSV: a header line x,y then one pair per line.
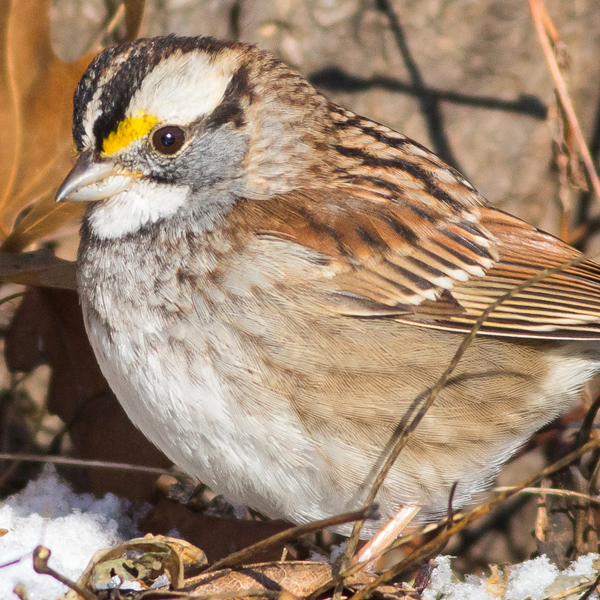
x,y
144,560
36,91
36,106
141,560
299,578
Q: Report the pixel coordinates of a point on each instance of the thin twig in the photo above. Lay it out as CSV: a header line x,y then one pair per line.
x,y
545,28
107,27
114,21
11,297
446,529
591,589
78,462
450,512
582,587
369,512
40,565
551,492
588,422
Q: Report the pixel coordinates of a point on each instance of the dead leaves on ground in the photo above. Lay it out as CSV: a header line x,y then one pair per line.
x,y
164,564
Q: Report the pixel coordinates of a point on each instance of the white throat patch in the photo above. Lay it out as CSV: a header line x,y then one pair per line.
x,y
127,212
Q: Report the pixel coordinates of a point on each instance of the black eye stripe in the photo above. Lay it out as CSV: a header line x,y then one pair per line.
x,y
168,140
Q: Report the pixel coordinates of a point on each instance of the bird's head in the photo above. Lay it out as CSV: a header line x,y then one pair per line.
x,y
172,125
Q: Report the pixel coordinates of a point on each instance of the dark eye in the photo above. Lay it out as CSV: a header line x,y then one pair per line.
x,y
168,140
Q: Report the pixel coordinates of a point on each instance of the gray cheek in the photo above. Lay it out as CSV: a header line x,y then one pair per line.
x,y
215,160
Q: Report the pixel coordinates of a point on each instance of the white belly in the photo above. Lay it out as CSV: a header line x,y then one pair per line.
x,y
270,465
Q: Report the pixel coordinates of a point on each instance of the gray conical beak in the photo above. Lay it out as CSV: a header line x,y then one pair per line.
x,y
91,181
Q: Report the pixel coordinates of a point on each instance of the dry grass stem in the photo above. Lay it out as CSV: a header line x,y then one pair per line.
x,y
461,521
78,462
582,587
446,529
546,31
550,491
593,588
107,28
367,512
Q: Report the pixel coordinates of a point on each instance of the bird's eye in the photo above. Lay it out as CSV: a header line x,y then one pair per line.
x,y
168,140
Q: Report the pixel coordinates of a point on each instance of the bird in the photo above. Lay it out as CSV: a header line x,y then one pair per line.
x,y
272,284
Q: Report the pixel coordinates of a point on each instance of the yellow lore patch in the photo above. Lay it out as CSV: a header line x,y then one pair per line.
x,y
129,130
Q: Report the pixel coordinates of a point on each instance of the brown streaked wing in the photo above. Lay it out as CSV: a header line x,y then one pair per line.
x,y
388,259
435,272
561,306
386,164
391,166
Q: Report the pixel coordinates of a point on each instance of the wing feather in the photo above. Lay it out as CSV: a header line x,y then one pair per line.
x,y
403,235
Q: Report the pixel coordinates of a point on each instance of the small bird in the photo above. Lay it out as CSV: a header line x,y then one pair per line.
x,y
272,284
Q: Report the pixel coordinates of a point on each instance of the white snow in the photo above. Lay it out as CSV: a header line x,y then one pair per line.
x,y
73,526
530,579
443,584
534,579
